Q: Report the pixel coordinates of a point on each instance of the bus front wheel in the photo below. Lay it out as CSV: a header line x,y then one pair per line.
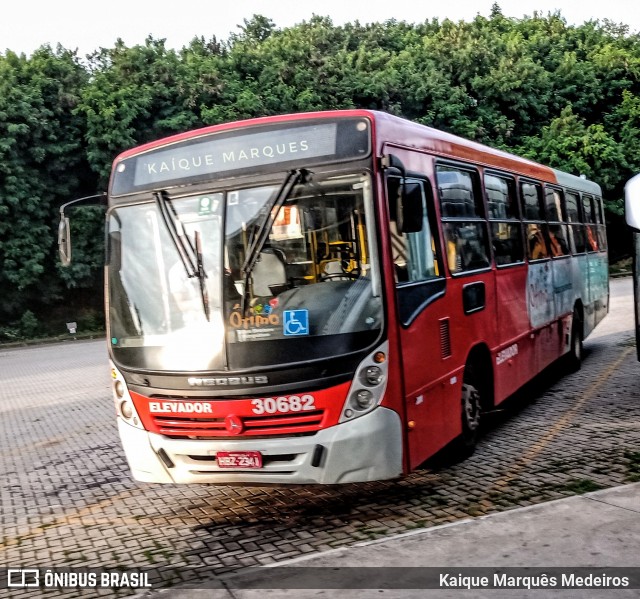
x,y
471,410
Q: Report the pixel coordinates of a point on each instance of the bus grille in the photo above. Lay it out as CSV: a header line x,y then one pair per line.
x,y
254,426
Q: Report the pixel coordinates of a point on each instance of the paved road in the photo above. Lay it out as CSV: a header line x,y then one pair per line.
x,y
67,498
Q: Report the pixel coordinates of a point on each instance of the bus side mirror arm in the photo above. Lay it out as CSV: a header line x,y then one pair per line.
x,y
64,226
388,161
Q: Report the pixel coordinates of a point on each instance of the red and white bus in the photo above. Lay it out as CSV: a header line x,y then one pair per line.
x,y
334,297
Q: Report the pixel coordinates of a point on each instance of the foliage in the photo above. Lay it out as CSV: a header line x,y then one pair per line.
x,y
41,164
134,95
568,144
25,328
564,95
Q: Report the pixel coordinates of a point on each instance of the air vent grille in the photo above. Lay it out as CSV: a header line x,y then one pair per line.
x,y
445,338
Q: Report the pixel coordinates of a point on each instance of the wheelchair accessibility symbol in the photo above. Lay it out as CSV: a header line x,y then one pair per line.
x,y
295,322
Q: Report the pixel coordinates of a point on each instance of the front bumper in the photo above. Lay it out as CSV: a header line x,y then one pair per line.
x,y
365,449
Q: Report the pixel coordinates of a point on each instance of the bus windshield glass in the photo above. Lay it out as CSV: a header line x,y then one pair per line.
x,y
246,277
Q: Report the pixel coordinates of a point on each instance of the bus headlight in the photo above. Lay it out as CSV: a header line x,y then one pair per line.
x,y
372,375
369,385
126,409
362,400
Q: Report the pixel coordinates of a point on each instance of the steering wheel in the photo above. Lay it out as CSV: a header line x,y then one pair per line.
x,y
354,274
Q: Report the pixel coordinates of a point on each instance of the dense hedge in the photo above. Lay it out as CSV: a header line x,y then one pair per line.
x,y
568,96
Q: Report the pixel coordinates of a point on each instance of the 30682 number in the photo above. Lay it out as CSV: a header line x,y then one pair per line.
x,y
283,405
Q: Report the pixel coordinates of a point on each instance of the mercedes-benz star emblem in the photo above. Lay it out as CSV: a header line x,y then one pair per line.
x,y
233,424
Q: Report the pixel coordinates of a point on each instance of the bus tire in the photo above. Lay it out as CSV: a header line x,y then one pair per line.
x,y
574,357
471,405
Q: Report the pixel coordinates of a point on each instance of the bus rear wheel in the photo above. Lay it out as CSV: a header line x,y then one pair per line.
x,y
574,357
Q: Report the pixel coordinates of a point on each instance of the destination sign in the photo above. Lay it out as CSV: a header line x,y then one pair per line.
x,y
212,156
254,149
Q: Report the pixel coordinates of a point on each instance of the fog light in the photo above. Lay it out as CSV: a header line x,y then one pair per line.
x,y
362,400
372,375
119,387
126,409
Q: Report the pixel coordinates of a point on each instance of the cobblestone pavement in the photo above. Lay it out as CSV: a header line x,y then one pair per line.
x,y
67,498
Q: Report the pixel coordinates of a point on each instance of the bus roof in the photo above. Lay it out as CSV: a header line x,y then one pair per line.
x,y
428,139
400,132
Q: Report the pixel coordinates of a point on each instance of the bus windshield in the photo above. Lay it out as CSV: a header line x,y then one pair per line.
x,y
244,277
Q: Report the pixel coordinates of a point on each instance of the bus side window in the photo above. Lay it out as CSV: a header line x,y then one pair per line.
x,y
464,227
556,215
537,231
576,230
602,228
414,254
506,230
590,220
537,248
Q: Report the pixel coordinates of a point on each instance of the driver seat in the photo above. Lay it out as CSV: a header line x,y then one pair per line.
x,y
333,271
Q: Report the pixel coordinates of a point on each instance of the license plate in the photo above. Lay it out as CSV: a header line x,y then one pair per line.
x,y
239,459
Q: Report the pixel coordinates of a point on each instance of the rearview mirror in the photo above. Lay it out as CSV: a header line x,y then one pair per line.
x,y
409,211
64,241
405,197
64,228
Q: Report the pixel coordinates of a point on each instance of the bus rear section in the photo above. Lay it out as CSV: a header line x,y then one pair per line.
x,y
507,274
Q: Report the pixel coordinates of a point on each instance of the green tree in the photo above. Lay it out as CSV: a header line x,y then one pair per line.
x,y
571,145
41,164
564,95
624,122
134,95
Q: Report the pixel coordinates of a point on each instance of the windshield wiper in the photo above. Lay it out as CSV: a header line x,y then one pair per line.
x,y
261,233
190,255
202,275
181,241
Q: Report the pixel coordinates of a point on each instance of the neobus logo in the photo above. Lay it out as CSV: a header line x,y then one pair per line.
x,y
224,381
